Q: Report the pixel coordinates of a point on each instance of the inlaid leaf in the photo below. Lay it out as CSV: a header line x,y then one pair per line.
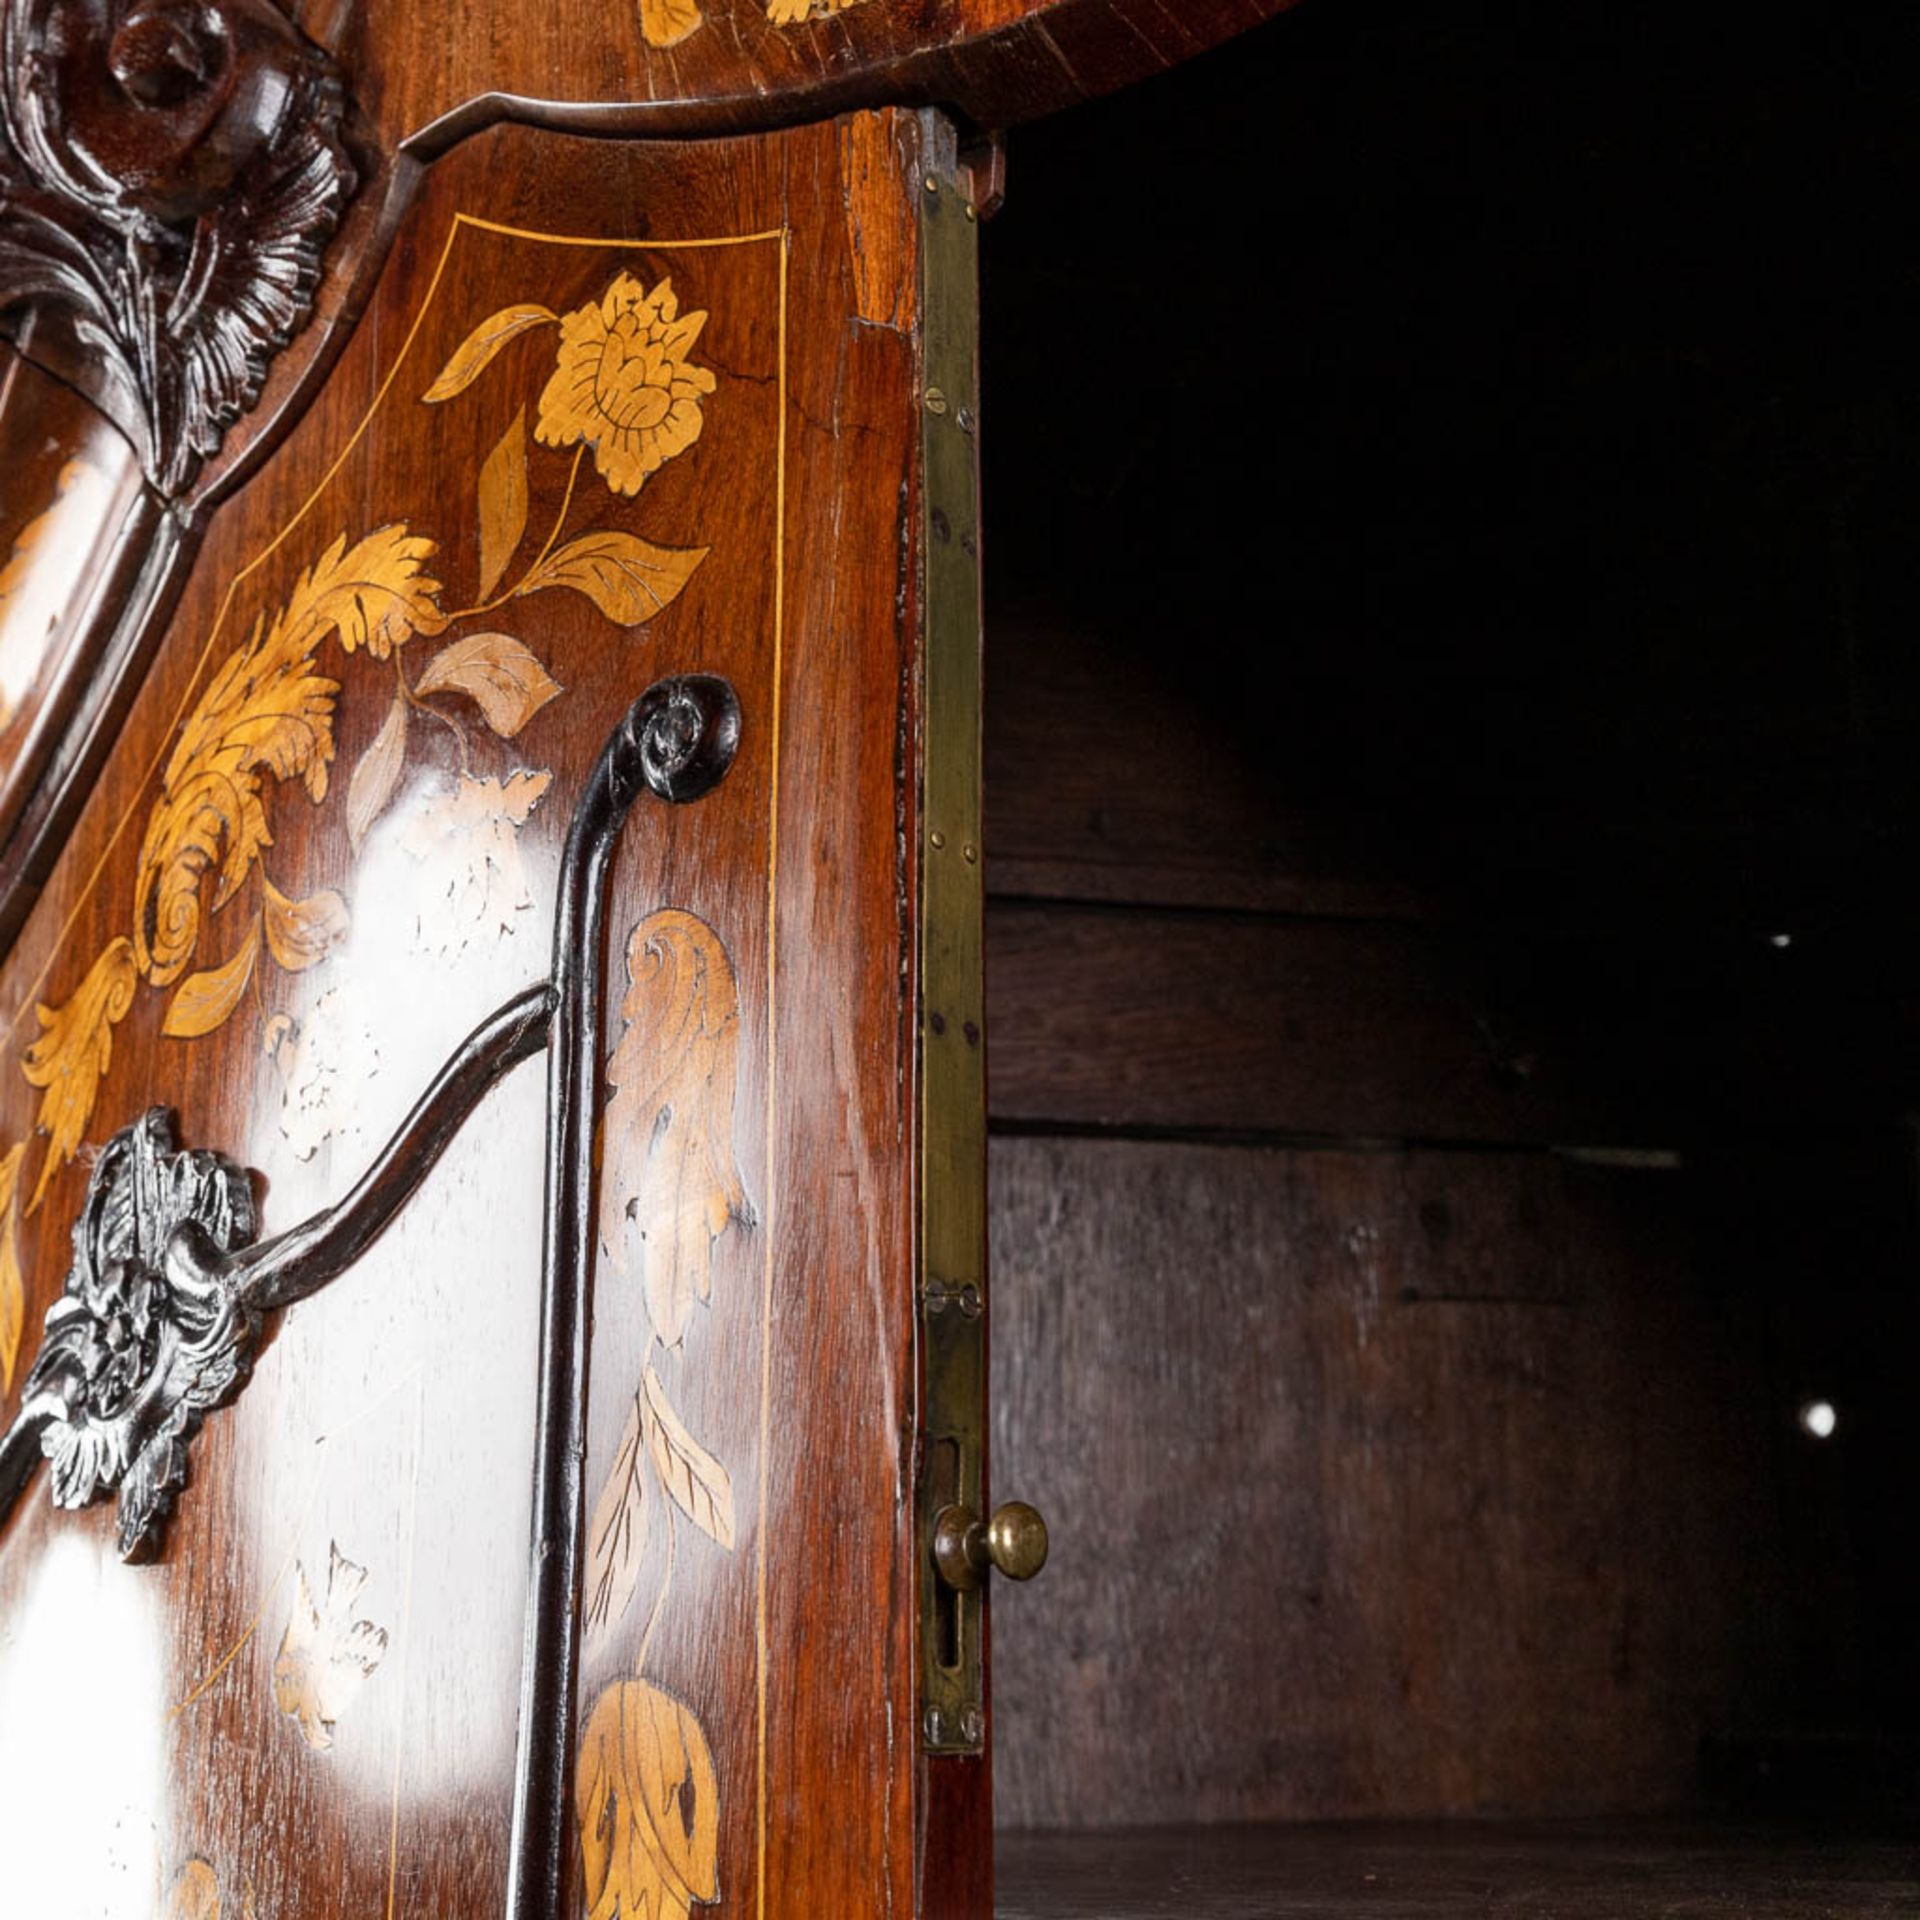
x,y
617,1534
204,1001
474,354
503,677
670,1181
195,1894
73,1051
301,932
665,23
326,1654
628,579
13,1286
379,594
695,1481
503,503
648,1802
378,773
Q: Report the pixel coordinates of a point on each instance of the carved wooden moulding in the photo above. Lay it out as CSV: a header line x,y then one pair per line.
x,y
171,172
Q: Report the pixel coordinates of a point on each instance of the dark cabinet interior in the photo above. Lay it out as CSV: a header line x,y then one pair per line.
x,y
1452,818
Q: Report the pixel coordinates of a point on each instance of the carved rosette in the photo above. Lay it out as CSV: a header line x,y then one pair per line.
x,y
150,1334
170,174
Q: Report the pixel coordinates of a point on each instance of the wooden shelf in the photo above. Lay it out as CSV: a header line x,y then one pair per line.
x,y
1616,1870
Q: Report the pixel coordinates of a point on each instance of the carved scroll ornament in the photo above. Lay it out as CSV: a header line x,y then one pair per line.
x,y
170,174
148,1336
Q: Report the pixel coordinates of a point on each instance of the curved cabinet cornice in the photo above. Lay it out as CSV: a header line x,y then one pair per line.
x,y
664,69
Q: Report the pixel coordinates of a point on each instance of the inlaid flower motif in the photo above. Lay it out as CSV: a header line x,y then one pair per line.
x,y
624,385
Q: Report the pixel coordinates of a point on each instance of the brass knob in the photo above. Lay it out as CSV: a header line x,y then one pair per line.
x,y
966,1548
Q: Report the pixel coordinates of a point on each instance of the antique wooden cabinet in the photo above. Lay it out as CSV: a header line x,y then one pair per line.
x,y
494,555
498,926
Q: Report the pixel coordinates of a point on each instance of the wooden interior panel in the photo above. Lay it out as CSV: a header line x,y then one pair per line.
x,y
1431,1029
1115,776
1484,726
1393,1483
1159,1019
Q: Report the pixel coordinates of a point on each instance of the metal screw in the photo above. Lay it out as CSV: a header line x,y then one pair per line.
x,y
935,1726
970,1302
969,853
933,185
964,420
939,840
936,400
973,1726
973,212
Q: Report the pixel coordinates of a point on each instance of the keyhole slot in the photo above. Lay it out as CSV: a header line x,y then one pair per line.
x,y
943,1480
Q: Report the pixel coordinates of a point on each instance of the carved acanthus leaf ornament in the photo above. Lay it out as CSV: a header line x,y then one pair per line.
x,y
170,173
148,1336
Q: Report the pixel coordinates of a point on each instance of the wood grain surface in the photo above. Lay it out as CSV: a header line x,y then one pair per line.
x,y
1169,1019
1393,1483
1114,779
613,411
1458,1871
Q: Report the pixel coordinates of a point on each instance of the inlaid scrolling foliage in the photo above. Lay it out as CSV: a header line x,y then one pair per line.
x,y
646,1790
624,386
268,711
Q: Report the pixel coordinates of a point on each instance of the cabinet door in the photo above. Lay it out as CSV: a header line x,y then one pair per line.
x,y
615,416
